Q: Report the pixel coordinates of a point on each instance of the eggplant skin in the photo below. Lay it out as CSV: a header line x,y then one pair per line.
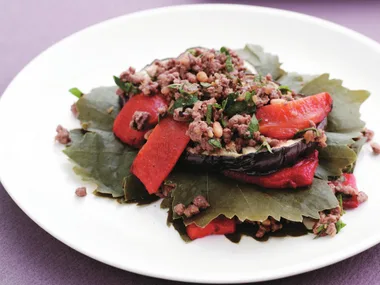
x,y
256,163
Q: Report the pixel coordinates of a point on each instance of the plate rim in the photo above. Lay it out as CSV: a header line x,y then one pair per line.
x,y
281,273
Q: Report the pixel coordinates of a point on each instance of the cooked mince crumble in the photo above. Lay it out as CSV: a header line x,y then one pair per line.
x,y
213,91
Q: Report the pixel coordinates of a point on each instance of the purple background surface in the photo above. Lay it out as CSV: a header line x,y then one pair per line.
x,y
29,255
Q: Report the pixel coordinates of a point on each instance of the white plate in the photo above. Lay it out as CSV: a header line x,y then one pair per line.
x,y
39,178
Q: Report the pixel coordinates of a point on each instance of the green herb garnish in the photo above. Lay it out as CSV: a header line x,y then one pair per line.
x,y
181,90
320,231
253,125
217,106
266,145
284,89
192,51
232,107
339,226
209,114
224,103
175,86
127,87
184,101
248,97
224,122
340,199
229,64
258,78
215,143
317,132
76,92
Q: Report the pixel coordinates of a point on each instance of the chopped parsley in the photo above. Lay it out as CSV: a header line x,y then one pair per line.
x,y
127,87
215,143
76,92
339,226
266,145
253,125
229,64
209,114
284,89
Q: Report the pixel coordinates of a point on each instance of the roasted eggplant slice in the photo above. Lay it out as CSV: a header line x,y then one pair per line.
x,y
252,162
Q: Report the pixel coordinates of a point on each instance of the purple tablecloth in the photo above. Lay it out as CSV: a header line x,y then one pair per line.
x,y
29,255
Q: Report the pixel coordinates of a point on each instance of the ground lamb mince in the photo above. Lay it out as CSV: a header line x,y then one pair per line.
x,y
198,84
81,191
375,147
63,135
139,120
269,225
327,222
338,187
199,203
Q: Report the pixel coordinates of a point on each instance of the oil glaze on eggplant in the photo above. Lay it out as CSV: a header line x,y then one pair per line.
x,y
254,163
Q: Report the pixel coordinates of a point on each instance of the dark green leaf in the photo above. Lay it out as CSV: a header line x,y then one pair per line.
x,y
209,114
215,143
76,92
94,108
356,147
250,202
135,192
333,159
101,158
166,203
341,138
263,62
294,80
345,115
253,125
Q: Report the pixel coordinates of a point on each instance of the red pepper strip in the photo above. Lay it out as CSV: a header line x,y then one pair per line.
x,y
299,175
284,120
218,226
140,102
159,155
350,202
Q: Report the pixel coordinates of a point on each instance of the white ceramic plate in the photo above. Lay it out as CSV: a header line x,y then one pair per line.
x,y
39,178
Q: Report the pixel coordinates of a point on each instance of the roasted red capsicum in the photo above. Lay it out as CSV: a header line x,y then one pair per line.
x,y
159,155
139,102
299,175
218,226
352,201
284,120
